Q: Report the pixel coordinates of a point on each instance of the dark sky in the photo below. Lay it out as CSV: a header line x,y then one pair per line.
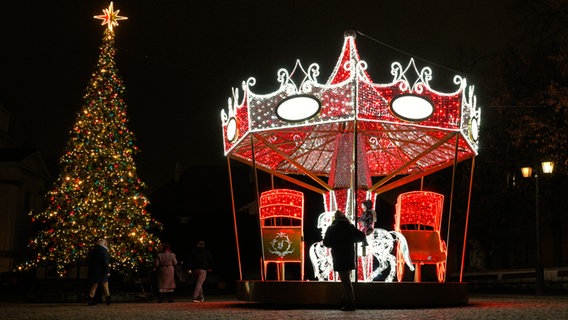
x,y
179,60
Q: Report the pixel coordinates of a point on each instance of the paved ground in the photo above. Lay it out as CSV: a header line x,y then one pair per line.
x,y
481,307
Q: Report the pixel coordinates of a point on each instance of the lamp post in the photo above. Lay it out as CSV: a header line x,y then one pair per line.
x,y
547,167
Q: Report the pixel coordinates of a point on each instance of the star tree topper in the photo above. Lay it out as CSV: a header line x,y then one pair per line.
x,y
110,17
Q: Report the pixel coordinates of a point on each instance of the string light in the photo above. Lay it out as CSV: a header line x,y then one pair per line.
x,y
349,95
420,208
281,203
418,216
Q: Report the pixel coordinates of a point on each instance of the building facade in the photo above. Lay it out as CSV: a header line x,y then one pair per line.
x,y
24,179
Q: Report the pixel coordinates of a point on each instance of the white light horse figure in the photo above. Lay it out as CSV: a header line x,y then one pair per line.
x,y
321,255
381,244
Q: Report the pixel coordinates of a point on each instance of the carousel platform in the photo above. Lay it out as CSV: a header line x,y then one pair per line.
x,y
368,294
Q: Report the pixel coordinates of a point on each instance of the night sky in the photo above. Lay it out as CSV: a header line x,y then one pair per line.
x,y
179,60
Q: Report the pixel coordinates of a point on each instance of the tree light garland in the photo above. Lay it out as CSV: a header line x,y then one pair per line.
x,y
97,193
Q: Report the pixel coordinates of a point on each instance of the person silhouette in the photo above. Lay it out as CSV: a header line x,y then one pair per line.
x,y
99,270
201,262
341,237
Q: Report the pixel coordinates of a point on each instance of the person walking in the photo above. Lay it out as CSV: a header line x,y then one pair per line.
x,y
164,265
99,270
201,262
341,237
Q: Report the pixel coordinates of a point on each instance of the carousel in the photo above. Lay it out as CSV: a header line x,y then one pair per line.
x,y
351,140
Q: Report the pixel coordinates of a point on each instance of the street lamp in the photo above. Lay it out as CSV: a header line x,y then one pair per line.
x,y
547,167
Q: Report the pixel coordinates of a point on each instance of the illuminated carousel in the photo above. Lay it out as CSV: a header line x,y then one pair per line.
x,y
350,140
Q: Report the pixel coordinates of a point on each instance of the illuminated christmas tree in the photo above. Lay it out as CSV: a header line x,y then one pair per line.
x,y
98,193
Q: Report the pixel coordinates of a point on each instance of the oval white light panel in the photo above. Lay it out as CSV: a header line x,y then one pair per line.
x,y
475,129
412,108
298,108
232,130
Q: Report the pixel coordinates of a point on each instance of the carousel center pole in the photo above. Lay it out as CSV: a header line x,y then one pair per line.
x,y
354,172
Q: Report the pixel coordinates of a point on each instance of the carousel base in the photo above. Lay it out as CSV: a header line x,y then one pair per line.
x,y
367,294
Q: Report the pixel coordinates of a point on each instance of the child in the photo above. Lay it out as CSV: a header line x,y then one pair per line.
x,y
368,218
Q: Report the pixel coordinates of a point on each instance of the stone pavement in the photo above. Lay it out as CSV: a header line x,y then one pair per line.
x,y
480,307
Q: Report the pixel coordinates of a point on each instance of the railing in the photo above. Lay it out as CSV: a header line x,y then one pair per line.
x,y
555,280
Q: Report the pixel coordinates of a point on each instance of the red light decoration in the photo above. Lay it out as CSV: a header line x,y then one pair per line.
x,y
418,218
421,208
357,132
281,203
386,141
282,239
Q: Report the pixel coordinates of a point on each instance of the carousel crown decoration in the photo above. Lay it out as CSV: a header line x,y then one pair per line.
x,y
229,121
400,76
471,116
306,78
296,120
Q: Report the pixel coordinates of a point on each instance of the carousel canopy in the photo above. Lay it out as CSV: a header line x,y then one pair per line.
x,y
401,130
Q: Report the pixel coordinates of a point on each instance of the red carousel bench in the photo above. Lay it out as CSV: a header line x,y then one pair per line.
x,y
418,217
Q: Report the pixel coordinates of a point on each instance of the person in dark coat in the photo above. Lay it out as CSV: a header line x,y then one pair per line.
x,y
99,270
201,262
164,265
341,237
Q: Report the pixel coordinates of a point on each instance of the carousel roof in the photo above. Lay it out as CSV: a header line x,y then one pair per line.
x,y
401,130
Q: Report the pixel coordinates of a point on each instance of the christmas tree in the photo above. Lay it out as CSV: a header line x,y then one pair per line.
x,y
98,193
